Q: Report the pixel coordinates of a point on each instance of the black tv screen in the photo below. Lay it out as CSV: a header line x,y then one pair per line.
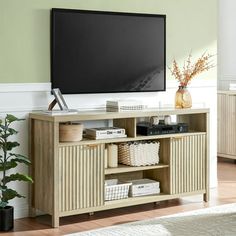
x,y
106,52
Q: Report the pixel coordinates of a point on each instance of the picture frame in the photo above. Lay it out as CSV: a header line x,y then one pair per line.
x,y
59,99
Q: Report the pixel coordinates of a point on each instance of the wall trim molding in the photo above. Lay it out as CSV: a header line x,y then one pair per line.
x,y
196,83
25,87
46,87
226,77
37,96
21,109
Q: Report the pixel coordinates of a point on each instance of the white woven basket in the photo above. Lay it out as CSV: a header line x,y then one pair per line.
x,y
116,191
139,153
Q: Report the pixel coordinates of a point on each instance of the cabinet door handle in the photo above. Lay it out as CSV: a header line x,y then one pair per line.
x,y
91,145
177,138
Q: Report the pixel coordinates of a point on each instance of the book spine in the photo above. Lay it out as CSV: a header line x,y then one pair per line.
x,y
106,136
105,132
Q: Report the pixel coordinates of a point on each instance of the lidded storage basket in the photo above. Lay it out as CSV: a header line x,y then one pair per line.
x,y
72,132
139,153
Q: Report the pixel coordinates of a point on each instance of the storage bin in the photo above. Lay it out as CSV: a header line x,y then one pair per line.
x,y
70,132
139,153
143,187
115,190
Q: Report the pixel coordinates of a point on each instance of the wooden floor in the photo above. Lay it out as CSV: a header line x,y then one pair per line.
x,y
225,193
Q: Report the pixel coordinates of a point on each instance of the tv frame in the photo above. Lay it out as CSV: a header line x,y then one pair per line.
x,y
107,13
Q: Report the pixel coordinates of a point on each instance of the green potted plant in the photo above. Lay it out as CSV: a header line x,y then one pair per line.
x,y
9,160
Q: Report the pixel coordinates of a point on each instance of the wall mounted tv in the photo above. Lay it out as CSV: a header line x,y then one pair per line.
x,y
107,52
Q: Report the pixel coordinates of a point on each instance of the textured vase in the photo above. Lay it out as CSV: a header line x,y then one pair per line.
x,y
183,98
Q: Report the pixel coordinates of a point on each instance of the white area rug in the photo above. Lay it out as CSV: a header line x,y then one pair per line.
x,y
214,221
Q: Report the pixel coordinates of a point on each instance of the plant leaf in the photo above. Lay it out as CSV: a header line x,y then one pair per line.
x,y
8,165
3,188
17,176
20,158
3,204
9,194
9,132
3,127
11,145
12,131
11,118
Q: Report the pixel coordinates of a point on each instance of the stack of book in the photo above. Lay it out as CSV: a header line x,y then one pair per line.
x,y
124,105
105,133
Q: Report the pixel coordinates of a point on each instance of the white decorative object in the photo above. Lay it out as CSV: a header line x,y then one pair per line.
x,y
139,153
167,120
112,153
154,120
125,105
232,86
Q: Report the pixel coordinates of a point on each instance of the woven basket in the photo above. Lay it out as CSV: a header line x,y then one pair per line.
x,y
139,153
116,191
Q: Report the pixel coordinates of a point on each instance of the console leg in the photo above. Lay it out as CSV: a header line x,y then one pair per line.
x,y
55,221
206,197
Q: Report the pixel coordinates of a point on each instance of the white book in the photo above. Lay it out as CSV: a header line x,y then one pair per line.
x,y
104,131
106,136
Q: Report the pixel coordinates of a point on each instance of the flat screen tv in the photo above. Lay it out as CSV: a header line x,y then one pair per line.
x,y
107,52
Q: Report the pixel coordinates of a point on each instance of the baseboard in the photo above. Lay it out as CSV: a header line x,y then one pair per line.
x,y
21,211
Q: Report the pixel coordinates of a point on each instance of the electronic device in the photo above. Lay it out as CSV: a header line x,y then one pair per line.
x,y
124,105
145,128
107,52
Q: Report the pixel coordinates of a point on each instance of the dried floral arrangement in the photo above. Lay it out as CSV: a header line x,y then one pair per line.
x,y
191,69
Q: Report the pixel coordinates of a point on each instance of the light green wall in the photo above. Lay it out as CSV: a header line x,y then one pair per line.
x,y
25,33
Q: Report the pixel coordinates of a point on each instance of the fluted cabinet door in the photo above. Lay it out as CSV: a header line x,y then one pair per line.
x,y
188,164
81,171
226,137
